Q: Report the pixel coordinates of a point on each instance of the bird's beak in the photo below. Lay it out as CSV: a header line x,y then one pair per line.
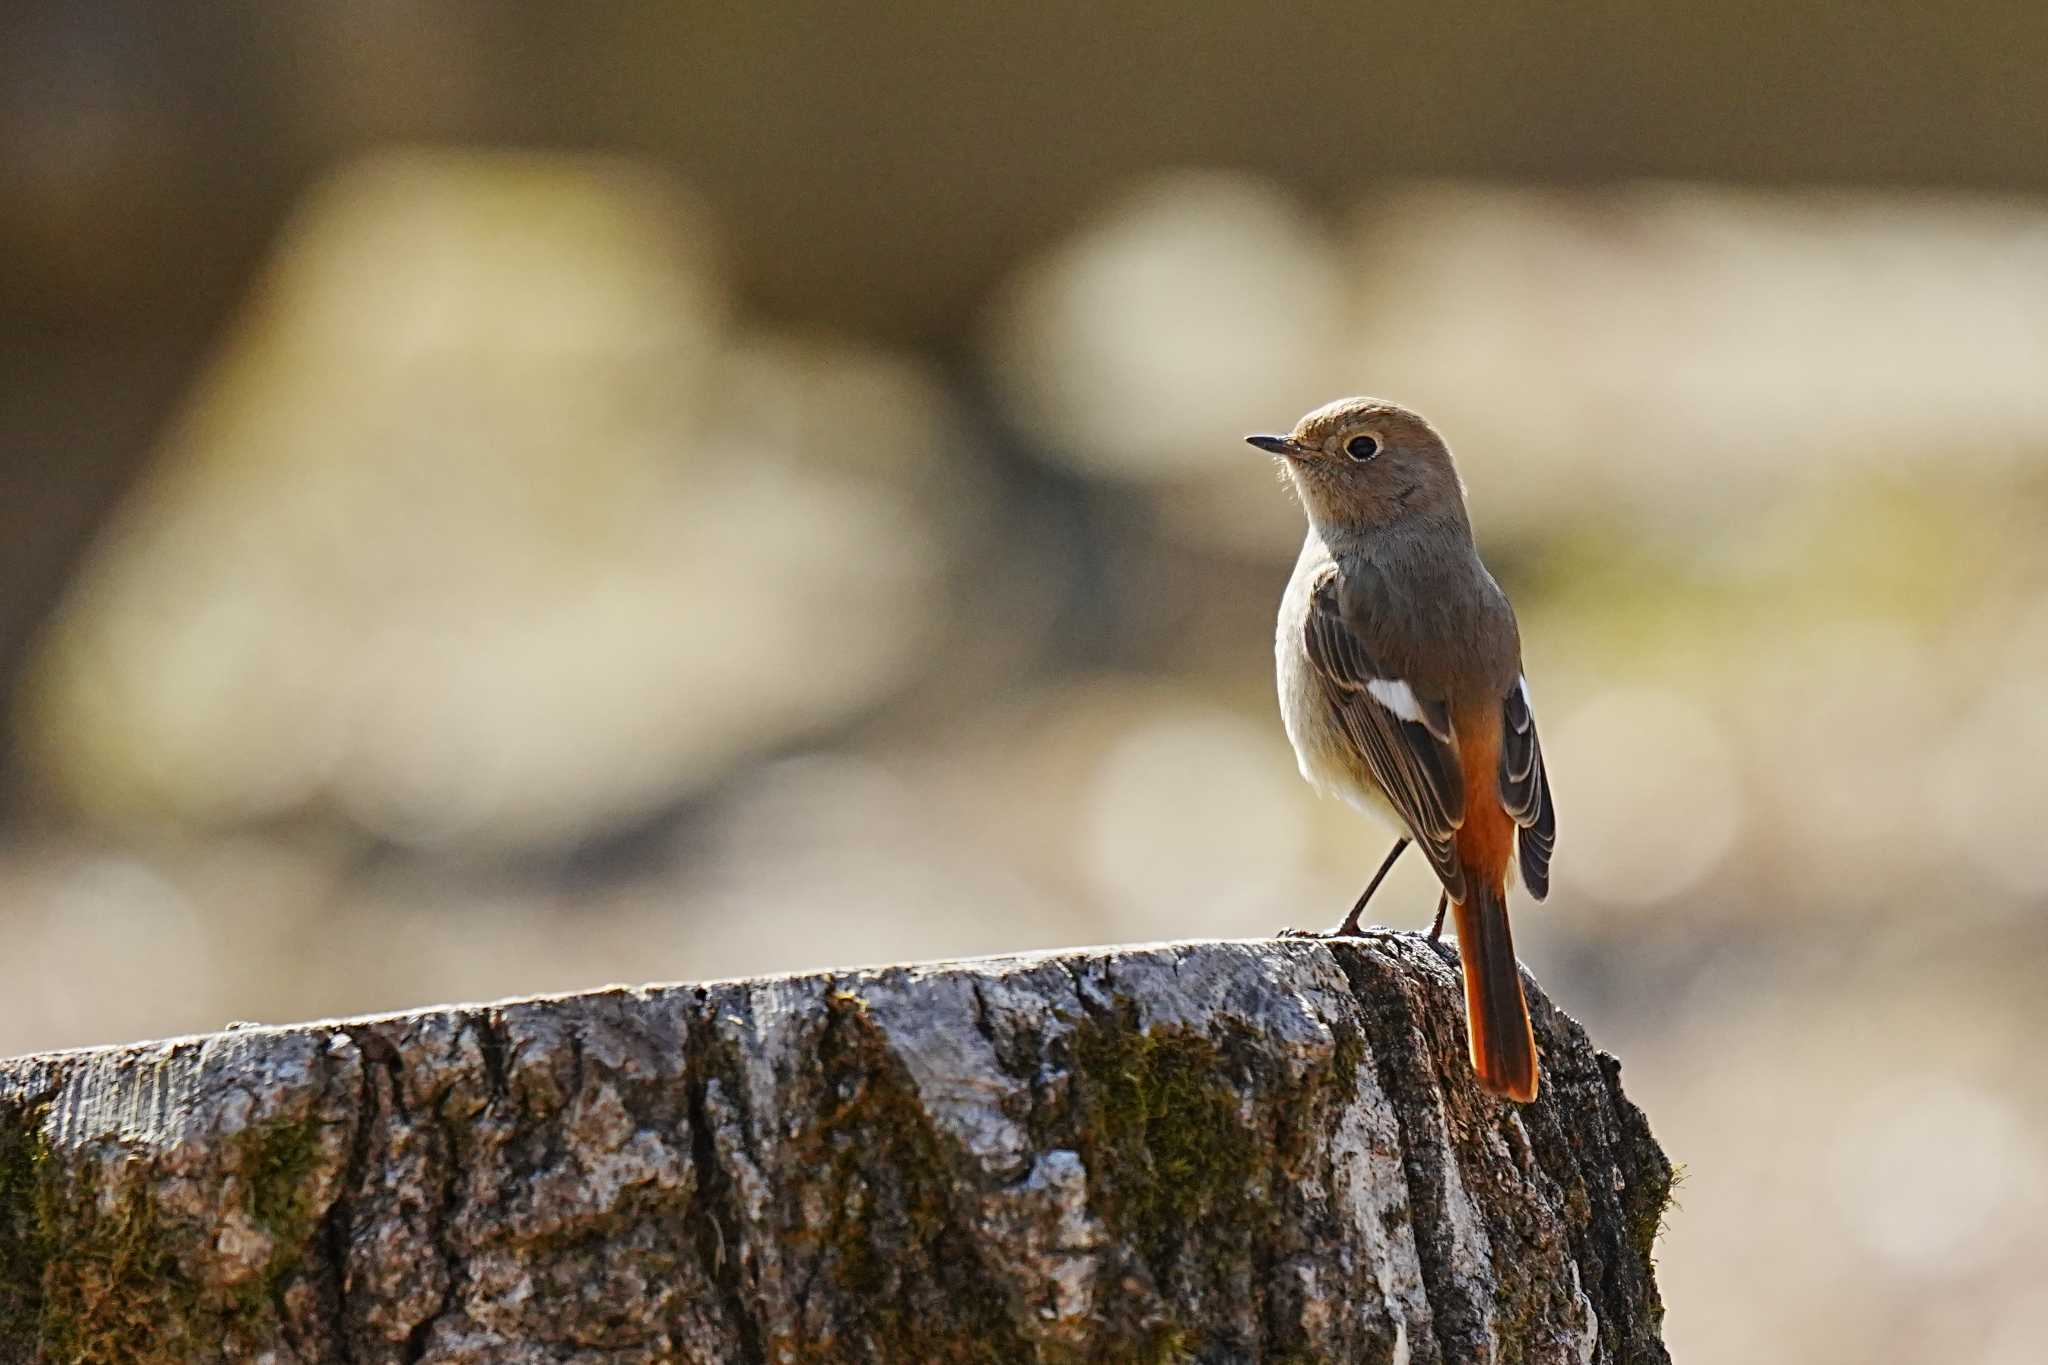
x,y
1276,445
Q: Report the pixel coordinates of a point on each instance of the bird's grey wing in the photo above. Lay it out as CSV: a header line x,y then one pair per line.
x,y
1405,739
1525,789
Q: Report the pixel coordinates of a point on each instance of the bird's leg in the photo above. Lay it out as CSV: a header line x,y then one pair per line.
x,y
1436,930
1349,928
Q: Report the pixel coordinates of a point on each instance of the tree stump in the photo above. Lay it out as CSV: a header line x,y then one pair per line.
x,y
1216,1152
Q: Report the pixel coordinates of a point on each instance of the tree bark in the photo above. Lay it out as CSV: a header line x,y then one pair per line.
x,y
1217,1152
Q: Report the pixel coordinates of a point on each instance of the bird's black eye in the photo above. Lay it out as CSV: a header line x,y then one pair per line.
x,y
1362,448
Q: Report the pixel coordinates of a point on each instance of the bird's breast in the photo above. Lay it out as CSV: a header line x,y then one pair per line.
x,y
1325,754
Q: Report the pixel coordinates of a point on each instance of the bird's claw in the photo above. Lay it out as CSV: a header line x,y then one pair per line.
x,y
1342,931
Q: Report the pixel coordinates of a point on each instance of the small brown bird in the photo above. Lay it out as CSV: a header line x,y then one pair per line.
x,y
1400,670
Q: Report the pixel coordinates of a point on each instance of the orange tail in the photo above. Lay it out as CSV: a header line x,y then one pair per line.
x,y
1496,1015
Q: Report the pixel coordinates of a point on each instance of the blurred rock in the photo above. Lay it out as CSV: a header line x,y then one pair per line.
x,y
1674,348
1872,1123
1991,787
140,931
1939,1178
1194,819
485,529
1651,791
1193,310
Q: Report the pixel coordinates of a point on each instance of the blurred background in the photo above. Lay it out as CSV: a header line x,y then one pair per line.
x,y
511,498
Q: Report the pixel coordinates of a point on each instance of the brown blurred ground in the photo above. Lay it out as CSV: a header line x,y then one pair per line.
x,y
674,493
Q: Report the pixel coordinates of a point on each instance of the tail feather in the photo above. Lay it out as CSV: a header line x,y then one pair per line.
x,y
1496,1015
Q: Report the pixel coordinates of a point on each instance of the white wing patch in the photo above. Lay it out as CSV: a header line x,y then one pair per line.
x,y
1396,696
1522,681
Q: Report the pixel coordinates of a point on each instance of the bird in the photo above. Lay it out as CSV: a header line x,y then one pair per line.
x,y
1399,667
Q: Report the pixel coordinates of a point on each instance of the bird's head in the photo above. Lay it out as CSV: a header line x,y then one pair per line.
x,y
1365,462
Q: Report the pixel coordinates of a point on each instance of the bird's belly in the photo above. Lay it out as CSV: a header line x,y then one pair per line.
x,y
1321,748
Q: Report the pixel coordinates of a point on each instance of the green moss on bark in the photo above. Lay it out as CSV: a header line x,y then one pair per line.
x,y
278,1162
89,1268
117,1292
1647,1204
909,1271
24,1241
1172,1169
1167,1149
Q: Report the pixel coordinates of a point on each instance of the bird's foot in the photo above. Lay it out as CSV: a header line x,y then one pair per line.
x,y
1349,929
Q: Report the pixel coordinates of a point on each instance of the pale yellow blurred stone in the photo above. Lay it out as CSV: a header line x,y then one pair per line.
x,y
1839,723
1646,781
1937,1177
143,937
1194,823
1195,309
2016,1329
1672,347
485,529
1990,785
1874,1127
